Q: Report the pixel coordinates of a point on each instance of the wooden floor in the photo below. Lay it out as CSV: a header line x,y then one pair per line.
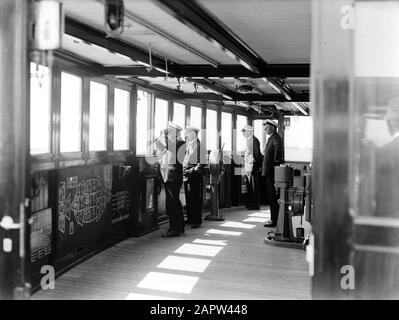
x,y
237,266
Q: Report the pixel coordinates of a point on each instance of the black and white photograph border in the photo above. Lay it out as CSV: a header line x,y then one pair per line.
x,y
199,156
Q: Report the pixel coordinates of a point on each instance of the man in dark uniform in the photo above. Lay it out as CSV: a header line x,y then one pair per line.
x,y
192,177
252,164
173,149
387,167
273,156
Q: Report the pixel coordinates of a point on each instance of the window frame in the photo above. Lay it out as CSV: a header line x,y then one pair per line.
x,y
57,160
150,120
107,119
202,135
185,110
235,136
73,155
215,109
44,157
153,107
231,113
130,128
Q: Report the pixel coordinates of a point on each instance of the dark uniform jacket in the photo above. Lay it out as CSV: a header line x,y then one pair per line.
x,y
273,155
194,161
176,150
387,180
257,155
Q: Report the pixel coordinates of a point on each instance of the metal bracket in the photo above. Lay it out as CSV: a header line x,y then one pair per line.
x,y
7,223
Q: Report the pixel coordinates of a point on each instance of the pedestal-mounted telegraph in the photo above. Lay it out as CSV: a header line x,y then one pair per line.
x,y
294,201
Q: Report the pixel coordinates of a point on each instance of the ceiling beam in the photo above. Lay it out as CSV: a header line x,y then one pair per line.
x,y
203,22
250,97
198,96
234,96
222,71
100,38
191,13
136,71
170,38
212,85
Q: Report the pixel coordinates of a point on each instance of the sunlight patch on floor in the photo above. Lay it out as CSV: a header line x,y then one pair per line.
x,y
138,296
234,224
259,215
199,250
223,232
214,242
254,219
168,282
184,264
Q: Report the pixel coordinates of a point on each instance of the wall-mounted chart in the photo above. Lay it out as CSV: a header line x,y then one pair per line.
x,y
84,202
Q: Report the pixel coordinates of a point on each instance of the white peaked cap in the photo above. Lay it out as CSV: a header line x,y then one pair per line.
x,y
247,127
273,123
192,128
172,125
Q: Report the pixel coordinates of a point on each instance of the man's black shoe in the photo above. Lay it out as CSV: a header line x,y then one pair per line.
x,y
195,226
170,234
270,224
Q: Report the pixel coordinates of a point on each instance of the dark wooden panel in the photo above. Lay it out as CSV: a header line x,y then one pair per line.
x,y
376,273
376,235
331,70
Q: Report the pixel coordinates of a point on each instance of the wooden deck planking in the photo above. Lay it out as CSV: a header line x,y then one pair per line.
x,y
246,268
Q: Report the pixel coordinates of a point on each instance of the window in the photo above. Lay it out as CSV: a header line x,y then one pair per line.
x,y
374,130
227,131
121,119
142,126
98,117
40,109
179,114
241,122
211,130
161,116
71,113
196,118
298,139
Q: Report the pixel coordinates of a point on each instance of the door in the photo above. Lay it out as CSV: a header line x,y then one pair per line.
x,y
14,146
355,71
374,163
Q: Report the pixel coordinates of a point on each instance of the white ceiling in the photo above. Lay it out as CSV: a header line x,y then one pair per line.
x,y
278,30
151,12
92,12
95,53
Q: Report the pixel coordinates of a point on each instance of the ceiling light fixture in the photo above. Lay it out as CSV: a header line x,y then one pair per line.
x,y
114,16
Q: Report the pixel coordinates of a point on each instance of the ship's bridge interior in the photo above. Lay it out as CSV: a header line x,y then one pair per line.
x,y
92,92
